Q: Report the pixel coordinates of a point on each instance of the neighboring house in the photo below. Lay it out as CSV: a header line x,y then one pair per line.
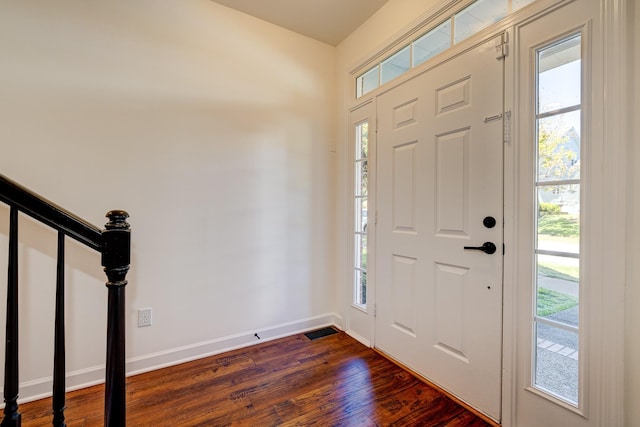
x,y
226,139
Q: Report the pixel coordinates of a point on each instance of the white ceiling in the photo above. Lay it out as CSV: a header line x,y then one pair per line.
x,y
329,21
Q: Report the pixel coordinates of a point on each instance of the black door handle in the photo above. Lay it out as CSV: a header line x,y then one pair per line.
x,y
487,248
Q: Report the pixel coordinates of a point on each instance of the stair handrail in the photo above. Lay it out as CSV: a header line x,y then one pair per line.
x,y
47,212
114,244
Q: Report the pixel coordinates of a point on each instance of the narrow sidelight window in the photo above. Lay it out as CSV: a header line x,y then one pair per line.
x,y
361,168
556,325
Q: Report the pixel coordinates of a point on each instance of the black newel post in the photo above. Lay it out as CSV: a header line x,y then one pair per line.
x,y
12,417
116,255
59,351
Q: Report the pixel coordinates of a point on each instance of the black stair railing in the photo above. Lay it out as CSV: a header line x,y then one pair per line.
x,y
114,243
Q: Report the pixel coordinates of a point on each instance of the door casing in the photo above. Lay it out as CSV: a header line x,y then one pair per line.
x,y
608,386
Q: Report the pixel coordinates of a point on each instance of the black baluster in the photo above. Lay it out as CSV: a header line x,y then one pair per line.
x,y
12,417
59,344
116,255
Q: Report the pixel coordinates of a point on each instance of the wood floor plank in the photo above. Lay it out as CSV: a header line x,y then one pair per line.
x,y
293,381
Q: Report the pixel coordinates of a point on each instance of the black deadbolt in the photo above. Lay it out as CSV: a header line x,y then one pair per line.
x,y
489,221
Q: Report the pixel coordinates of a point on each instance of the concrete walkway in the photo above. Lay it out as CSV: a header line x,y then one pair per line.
x,y
557,349
559,285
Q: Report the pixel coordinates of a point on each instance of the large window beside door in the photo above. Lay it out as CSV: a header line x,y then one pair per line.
x,y
361,184
555,321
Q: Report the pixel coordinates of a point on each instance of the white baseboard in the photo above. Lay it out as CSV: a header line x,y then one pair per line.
x,y
42,388
358,337
75,380
151,362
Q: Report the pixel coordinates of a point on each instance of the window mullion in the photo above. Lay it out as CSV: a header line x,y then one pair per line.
x,y
556,251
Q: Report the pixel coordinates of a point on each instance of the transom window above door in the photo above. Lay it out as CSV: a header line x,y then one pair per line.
x,y
455,28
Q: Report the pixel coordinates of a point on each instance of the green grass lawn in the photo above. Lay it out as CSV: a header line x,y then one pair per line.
x,y
559,225
550,302
564,230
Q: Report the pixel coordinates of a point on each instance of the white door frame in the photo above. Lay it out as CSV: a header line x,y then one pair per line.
x,y
615,124
607,220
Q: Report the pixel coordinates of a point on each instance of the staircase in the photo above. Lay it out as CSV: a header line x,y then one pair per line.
x,y
114,243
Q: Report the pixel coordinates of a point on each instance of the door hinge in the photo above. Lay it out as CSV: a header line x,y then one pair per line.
x,y
375,220
375,310
502,46
507,126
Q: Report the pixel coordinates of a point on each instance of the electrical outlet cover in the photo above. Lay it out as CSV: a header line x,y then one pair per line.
x,y
144,317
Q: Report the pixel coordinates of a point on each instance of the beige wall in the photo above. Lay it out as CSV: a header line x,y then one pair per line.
x,y
213,129
632,354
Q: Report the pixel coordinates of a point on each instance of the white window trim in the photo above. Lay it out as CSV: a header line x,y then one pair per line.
x,y
607,382
358,320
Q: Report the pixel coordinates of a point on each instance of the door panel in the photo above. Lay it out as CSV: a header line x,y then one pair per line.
x,y
451,283
404,184
403,287
451,178
439,306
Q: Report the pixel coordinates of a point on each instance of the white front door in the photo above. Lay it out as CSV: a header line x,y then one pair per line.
x,y
440,189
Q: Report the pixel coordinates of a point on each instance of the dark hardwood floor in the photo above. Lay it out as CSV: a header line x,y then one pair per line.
x,y
293,381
